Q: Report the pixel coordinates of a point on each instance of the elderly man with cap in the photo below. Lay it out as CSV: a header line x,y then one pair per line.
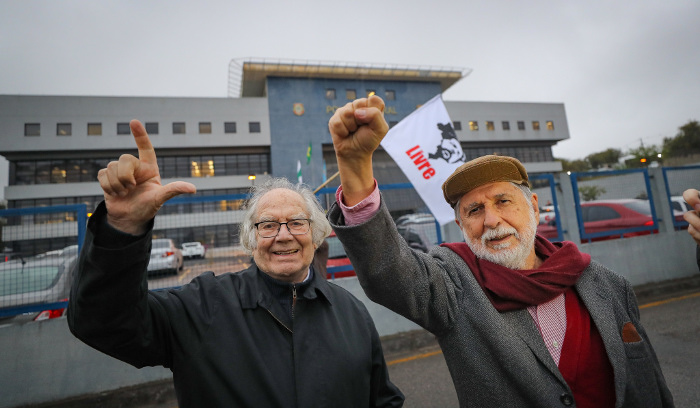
x,y
522,322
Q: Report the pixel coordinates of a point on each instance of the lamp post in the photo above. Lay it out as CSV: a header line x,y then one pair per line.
x,y
251,177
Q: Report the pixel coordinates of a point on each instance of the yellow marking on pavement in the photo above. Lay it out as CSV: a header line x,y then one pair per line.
x,y
416,357
662,302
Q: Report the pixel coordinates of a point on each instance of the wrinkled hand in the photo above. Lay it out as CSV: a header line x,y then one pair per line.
x,y
692,197
357,130
132,188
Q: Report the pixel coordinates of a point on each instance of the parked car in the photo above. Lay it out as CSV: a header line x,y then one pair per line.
x,y
165,257
610,216
31,283
547,214
337,259
679,204
419,231
193,250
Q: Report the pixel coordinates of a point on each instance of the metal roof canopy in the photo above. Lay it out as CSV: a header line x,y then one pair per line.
x,y
247,76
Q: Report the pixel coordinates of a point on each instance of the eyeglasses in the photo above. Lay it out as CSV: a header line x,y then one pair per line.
x,y
270,229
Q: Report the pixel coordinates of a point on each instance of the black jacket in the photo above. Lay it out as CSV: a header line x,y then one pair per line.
x,y
226,339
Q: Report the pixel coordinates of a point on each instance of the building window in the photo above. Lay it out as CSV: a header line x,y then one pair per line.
x,y
392,123
350,94
505,124
457,125
535,125
550,125
152,128
371,92
330,93
390,95
202,168
229,127
32,129
254,127
124,129
489,125
64,129
179,128
94,129
473,125
204,127
521,125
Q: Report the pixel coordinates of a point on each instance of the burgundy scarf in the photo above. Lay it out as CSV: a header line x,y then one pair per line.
x,y
510,289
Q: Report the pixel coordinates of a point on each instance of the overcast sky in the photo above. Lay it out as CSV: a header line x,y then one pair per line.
x,y
627,72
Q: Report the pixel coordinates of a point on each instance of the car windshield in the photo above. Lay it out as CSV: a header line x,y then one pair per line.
x,y
19,280
335,248
641,207
191,244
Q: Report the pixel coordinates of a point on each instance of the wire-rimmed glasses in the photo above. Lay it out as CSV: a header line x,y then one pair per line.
x,y
270,229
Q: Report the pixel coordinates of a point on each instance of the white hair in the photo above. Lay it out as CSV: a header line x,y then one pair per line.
x,y
320,227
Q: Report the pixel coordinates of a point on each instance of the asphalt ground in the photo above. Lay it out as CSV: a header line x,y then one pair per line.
x,y
417,366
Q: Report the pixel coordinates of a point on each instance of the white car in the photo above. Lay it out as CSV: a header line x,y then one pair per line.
x,y
165,257
193,250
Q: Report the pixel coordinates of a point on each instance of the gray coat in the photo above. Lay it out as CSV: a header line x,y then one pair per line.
x,y
497,359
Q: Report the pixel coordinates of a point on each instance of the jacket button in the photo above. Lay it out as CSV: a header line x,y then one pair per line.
x,y
567,399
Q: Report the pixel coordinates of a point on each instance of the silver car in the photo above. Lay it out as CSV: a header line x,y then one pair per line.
x,y
36,287
165,257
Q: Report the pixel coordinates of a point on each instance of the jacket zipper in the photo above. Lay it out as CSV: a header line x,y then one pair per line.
x,y
294,298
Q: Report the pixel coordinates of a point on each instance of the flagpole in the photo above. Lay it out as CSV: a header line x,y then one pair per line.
x,y
327,181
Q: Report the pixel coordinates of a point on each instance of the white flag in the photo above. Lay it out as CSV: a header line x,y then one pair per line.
x,y
299,171
426,148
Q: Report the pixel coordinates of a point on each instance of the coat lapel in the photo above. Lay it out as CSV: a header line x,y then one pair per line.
x,y
524,326
598,302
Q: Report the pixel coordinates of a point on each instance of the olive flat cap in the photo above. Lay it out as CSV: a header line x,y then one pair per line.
x,y
480,171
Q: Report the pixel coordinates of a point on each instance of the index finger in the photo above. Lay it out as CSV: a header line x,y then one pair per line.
x,y
146,152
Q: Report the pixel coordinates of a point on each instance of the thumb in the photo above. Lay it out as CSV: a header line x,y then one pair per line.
x,y
174,189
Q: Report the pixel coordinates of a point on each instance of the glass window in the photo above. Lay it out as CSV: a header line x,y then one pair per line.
x,y
94,129
489,125
550,125
457,125
124,129
390,95
505,124
392,123
473,125
32,129
535,125
63,129
330,93
152,128
229,127
204,127
521,125
350,94
254,127
178,128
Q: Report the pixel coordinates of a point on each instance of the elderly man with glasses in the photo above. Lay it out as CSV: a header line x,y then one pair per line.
x,y
274,335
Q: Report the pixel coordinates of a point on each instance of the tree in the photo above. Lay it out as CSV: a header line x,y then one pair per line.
x,y
685,143
606,158
574,165
589,193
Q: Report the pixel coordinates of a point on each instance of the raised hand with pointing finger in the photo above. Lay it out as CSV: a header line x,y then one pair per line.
x,y
132,188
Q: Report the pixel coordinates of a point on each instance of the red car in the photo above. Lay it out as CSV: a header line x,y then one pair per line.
x,y
607,217
338,265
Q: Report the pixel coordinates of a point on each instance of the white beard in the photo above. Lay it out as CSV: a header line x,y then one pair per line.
x,y
513,256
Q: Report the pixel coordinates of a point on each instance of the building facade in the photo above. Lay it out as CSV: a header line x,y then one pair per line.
x,y
277,122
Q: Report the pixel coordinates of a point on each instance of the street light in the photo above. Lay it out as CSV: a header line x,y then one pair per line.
x,y
251,177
